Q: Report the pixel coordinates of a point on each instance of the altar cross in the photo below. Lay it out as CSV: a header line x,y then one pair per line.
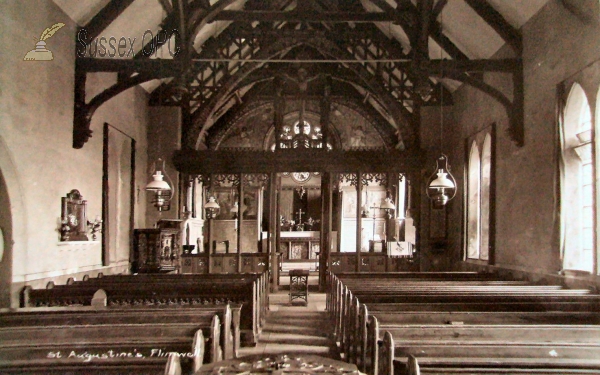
x,y
299,213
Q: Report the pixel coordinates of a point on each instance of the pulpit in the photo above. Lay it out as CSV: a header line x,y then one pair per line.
x,y
156,250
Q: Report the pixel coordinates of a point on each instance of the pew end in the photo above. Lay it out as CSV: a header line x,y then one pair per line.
x,y
386,355
216,353
25,296
412,366
198,348
236,311
373,343
100,299
174,364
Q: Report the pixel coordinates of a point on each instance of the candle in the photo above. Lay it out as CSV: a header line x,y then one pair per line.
x,y
187,234
63,213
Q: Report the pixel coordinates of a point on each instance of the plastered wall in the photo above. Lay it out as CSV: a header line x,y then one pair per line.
x,y
36,157
558,45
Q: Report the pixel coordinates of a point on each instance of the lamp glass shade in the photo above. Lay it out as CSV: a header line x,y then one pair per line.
x,y
212,204
158,182
442,181
387,204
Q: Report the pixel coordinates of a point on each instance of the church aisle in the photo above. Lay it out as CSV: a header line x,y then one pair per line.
x,y
296,329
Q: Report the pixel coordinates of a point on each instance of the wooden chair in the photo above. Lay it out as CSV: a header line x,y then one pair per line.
x,y
299,285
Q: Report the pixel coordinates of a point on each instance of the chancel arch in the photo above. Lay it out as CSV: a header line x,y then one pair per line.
x,y
352,124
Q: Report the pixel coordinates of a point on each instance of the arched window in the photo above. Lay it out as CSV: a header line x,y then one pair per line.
x,y
486,166
596,178
478,187
473,203
577,183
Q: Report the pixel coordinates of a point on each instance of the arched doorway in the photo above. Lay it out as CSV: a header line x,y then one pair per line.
x,y
13,223
5,245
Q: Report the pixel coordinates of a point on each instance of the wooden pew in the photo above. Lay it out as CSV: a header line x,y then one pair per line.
x,y
347,320
388,287
586,312
220,281
105,348
344,318
248,290
252,322
336,283
229,321
587,305
417,275
345,312
217,278
150,366
361,283
422,294
403,325
560,349
471,366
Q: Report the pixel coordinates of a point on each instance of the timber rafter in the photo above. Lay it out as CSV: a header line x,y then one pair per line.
x,y
247,45
285,42
239,44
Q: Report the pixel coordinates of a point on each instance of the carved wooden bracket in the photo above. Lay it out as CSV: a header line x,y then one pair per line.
x,y
136,72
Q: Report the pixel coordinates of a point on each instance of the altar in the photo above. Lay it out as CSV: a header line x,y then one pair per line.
x,y
299,245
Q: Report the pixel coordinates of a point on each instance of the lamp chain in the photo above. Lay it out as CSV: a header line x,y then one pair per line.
x,y
441,86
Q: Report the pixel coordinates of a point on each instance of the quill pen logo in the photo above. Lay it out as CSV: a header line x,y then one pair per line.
x,y
41,53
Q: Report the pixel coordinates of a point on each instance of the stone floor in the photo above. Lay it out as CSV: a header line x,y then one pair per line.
x,y
296,328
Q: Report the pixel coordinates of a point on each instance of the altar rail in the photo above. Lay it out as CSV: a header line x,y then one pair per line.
x,y
371,262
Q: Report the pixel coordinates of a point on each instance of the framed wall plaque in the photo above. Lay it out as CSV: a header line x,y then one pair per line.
x,y
73,217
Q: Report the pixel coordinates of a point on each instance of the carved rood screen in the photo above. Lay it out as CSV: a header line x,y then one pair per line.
x,y
248,179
